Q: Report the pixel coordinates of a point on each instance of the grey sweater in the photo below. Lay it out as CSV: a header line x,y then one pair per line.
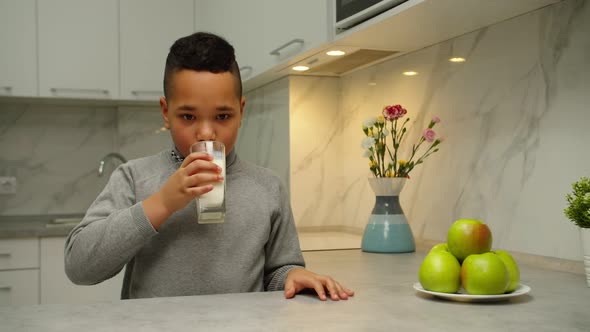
x,y
251,251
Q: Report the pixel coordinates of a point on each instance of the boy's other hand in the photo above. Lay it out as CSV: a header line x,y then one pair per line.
x,y
299,279
194,177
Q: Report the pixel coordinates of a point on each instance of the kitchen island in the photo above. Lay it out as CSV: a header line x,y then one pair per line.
x,y
384,301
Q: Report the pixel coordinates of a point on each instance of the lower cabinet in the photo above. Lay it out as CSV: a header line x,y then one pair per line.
x,y
19,271
19,287
57,288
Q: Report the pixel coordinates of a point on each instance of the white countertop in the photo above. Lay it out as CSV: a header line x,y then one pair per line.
x,y
384,300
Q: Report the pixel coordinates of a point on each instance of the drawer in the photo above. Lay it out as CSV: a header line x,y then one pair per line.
x,y
20,253
19,287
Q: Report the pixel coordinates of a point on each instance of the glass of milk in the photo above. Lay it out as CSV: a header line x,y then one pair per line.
x,y
211,206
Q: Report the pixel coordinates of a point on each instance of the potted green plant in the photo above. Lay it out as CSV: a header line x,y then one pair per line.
x,y
578,211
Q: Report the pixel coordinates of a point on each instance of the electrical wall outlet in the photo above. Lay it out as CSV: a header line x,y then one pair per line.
x,y
7,185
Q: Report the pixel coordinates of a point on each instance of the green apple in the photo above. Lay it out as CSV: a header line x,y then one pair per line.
x,y
484,274
513,271
440,272
467,237
440,246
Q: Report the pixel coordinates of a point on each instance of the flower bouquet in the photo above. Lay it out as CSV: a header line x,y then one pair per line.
x,y
384,135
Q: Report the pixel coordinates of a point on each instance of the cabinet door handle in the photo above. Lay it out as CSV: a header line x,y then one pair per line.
x,y
246,71
5,254
57,91
146,92
278,50
7,287
6,89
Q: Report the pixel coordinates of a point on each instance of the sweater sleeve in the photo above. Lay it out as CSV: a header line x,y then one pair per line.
x,y
113,230
282,249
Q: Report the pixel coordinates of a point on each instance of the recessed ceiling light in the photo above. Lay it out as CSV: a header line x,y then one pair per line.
x,y
457,59
300,68
410,73
372,83
335,53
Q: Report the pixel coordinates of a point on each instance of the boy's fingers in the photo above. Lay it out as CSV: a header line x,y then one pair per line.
x,y
199,165
341,293
194,156
348,291
201,179
332,288
289,289
319,289
198,191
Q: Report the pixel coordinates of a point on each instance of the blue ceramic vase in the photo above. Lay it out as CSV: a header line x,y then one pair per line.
x,y
388,230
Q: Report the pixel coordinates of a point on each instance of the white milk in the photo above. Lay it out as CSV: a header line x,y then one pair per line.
x,y
214,198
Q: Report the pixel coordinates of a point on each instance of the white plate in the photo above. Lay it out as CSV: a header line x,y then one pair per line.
x,y
463,297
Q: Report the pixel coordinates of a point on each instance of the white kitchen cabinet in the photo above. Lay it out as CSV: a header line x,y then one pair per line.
x,y
287,21
18,63
22,253
57,288
19,287
239,23
148,29
256,28
79,48
19,271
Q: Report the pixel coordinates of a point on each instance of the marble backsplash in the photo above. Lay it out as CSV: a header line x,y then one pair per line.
x,y
263,138
514,119
54,152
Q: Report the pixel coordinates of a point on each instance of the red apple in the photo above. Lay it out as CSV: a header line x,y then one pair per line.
x,y
468,237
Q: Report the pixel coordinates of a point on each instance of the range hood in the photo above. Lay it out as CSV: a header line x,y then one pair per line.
x,y
322,64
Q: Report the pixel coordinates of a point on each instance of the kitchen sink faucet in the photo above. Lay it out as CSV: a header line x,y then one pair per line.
x,y
112,155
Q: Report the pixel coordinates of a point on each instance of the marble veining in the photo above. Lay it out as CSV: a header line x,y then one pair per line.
x,y
141,132
513,119
53,151
263,138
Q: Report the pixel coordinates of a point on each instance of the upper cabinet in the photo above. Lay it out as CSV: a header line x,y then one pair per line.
x,y
79,48
148,29
116,49
18,63
265,33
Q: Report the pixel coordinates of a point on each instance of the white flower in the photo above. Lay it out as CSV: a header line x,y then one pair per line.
x,y
370,122
367,153
385,132
367,142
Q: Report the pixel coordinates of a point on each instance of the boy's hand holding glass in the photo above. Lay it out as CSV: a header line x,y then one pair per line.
x,y
195,177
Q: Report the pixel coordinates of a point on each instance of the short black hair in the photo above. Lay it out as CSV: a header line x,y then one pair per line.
x,y
201,51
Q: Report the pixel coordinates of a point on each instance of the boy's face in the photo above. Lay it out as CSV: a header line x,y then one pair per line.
x,y
202,106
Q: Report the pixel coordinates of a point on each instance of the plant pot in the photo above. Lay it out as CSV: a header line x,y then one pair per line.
x,y
387,230
585,240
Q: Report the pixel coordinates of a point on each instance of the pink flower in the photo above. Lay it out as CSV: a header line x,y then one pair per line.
x,y
394,112
435,119
429,134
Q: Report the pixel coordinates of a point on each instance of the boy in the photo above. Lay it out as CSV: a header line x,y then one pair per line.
x,y
145,218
